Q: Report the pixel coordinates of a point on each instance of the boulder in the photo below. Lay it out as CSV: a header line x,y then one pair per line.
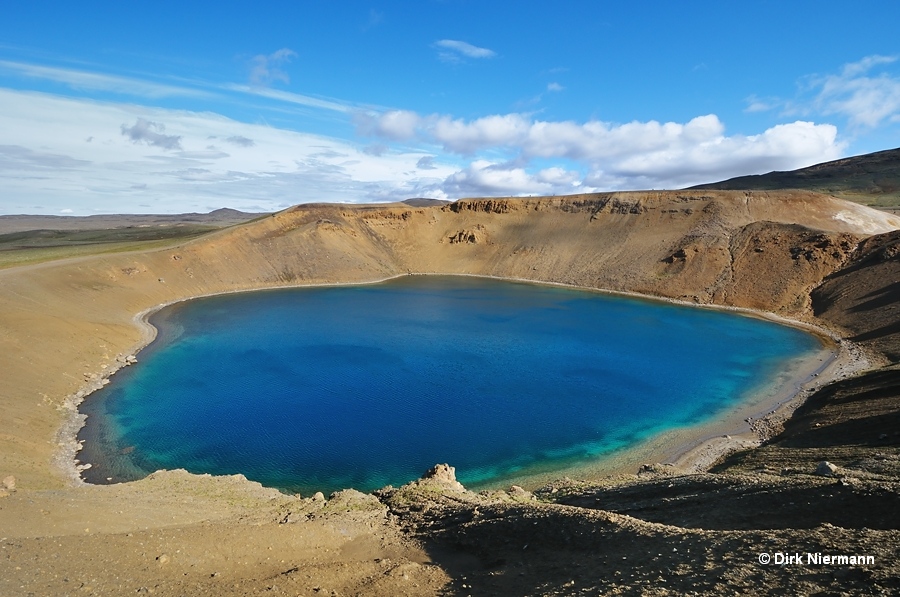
x,y
826,469
444,475
517,493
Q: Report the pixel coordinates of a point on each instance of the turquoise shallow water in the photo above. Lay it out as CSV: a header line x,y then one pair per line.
x,y
363,386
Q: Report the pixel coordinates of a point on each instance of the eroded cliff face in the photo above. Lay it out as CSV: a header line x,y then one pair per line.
x,y
764,251
863,297
62,322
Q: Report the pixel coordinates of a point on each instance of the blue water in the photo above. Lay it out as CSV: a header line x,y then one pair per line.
x,y
363,386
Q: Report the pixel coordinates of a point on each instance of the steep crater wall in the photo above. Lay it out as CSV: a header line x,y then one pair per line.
x,y
63,322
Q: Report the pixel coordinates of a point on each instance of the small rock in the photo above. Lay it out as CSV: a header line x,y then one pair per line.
x,y
9,483
163,559
826,469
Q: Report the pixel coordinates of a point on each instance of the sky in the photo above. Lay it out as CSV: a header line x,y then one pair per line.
x,y
164,107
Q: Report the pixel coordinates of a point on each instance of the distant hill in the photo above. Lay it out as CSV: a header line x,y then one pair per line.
x,y
424,202
872,179
217,219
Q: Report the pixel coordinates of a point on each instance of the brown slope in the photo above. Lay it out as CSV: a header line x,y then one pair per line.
x,y
871,179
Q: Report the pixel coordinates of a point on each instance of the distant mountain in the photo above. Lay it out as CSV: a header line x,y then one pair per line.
x,y
424,202
872,179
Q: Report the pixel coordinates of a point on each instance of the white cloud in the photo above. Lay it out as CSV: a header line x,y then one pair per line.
x,y
377,149
16,157
291,98
865,100
857,68
452,50
266,69
117,157
83,80
483,177
756,104
397,125
151,133
606,156
596,140
782,147
426,162
46,161
463,137
240,140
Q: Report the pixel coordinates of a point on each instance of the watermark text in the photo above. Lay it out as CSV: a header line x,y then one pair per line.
x,y
783,558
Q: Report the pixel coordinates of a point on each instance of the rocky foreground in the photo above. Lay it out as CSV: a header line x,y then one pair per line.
x,y
778,519
656,533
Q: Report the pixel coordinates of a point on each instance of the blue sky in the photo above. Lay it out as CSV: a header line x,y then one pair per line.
x,y
139,107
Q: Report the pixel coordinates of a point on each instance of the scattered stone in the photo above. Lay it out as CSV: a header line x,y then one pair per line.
x,y
163,559
9,483
826,469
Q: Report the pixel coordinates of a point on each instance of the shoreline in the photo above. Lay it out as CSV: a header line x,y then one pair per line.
x,y
695,449
689,449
